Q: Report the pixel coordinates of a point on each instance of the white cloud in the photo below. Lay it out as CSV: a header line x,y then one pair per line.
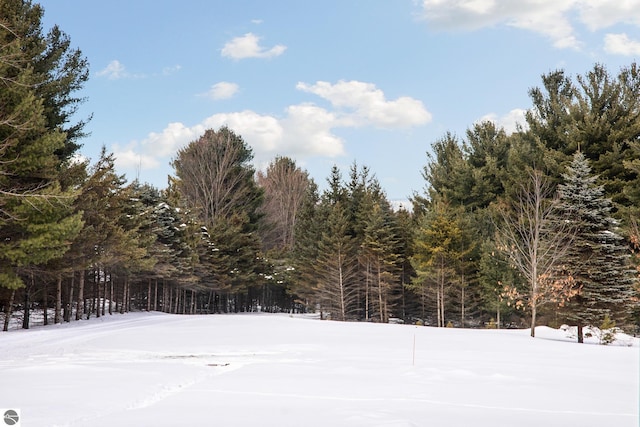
x,y
369,104
263,132
248,46
598,14
509,122
129,158
167,71
116,70
174,136
621,44
305,131
222,90
113,71
546,17
308,132
556,19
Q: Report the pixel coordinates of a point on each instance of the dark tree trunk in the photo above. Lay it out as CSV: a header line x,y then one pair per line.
x,y
149,294
57,317
45,303
25,318
580,334
96,284
104,292
111,296
81,307
8,311
68,308
155,296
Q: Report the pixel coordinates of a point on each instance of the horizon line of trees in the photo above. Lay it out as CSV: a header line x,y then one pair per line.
x,y
535,227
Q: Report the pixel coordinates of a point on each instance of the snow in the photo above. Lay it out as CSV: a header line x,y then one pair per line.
x,y
155,369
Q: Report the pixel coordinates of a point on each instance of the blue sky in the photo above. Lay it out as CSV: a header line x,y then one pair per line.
x,y
325,82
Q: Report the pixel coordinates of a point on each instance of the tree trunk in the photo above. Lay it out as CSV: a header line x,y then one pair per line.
x,y
533,320
8,311
580,334
69,304
438,305
343,309
149,294
462,303
81,308
104,291
45,303
111,296
382,316
210,301
366,293
123,304
58,312
25,318
96,284
534,303
155,296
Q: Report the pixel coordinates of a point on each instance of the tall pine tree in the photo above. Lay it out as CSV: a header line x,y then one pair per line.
x,y
599,258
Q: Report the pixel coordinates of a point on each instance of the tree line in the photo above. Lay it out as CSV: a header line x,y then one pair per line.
x,y
535,227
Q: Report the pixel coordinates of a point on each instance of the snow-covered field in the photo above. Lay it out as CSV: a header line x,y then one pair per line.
x,y
153,369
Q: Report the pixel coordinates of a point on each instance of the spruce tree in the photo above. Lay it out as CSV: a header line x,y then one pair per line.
x,y
308,231
58,70
336,266
599,259
437,250
36,222
380,248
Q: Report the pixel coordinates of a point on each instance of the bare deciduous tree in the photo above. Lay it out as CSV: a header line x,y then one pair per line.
x,y
285,186
215,176
535,240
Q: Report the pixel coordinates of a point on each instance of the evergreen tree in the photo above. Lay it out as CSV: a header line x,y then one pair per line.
x,y
487,153
336,267
436,254
380,247
58,71
597,115
36,223
405,231
447,172
308,231
599,259
215,178
494,274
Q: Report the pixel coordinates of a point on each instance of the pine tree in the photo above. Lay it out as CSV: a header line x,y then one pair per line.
x,y
336,267
58,70
379,249
496,273
436,254
599,259
487,149
308,231
36,222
